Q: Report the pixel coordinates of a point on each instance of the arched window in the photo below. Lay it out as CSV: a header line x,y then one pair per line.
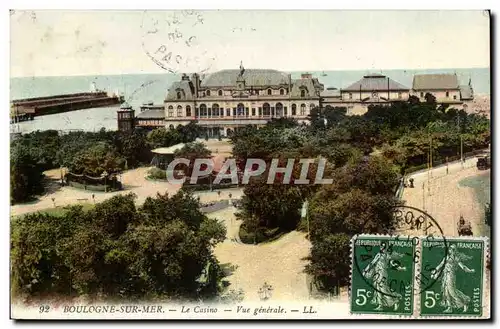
x,y
350,95
400,95
294,109
282,91
179,111
208,92
188,111
220,92
203,110
170,111
447,94
279,109
269,92
215,110
179,95
311,106
266,108
302,109
303,93
240,110
171,127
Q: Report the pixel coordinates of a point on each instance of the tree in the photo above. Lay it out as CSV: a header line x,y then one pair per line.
x,y
430,98
360,200
328,262
133,147
26,176
96,160
118,251
161,137
189,132
275,205
192,151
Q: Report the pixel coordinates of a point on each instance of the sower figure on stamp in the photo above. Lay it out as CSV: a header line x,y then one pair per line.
x,y
451,296
377,270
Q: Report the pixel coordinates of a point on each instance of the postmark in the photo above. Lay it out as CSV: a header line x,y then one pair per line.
x,y
382,278
459,275
418,223
174,41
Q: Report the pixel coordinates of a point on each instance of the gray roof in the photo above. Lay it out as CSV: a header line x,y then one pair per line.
x,y
253,77
466,92
312,88
435,81
152,114
329,92
185,87
375,82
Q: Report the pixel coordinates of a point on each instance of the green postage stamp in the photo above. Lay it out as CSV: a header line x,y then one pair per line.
x,y
418,276
383,272
456,266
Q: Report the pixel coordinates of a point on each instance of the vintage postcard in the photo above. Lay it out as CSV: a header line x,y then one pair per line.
x,y
250,164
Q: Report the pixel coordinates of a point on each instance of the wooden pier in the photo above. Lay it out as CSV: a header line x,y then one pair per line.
x,y
27,109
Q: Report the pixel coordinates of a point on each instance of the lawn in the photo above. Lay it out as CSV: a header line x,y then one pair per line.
x,y
59,211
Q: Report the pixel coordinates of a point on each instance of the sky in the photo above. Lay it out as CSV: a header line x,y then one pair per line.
x,y
62,43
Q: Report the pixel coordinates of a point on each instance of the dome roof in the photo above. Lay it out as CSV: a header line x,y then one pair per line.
x,y
253,77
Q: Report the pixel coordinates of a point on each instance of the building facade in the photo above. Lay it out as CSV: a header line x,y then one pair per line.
x,y
229,99
371,89
444,87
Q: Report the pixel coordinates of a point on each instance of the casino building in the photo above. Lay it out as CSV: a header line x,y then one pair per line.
x,y
229,99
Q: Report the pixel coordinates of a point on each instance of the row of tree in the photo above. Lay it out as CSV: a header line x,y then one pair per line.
x,y
366,156
85,153
162,249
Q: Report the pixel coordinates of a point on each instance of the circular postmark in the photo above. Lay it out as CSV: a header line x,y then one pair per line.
x,y
174,41
388,264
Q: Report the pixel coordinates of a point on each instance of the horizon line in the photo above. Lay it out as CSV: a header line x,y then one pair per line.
x,y
288,71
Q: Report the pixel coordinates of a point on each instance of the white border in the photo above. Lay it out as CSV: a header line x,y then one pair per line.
x,y
199,4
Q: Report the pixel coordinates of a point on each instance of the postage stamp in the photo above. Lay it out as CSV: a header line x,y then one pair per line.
x,y
459,274
383,271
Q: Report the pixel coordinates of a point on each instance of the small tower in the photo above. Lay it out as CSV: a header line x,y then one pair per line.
x,y
126,117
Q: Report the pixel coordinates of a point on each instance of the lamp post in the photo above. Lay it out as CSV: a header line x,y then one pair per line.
x,y
462,150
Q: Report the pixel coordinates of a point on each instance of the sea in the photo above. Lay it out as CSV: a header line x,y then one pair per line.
x,y
145,88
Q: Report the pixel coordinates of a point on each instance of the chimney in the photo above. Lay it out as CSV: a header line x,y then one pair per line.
x,y
196,81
